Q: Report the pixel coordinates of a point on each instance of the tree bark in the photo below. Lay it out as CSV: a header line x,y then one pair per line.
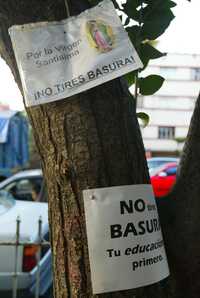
x,y
180,215
91,140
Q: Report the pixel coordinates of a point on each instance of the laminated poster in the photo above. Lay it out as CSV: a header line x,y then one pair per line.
x,y
126,248
60,59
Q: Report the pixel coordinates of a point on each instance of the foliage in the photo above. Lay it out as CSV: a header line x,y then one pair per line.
x,y
151,19
148,52
144,118
150,84
180,139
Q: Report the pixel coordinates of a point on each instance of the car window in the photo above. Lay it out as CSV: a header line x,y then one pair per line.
x,y
156,170
6,201
171,171
21,189
154,164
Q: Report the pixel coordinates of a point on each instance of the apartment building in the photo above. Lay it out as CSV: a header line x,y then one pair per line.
x,y
170,109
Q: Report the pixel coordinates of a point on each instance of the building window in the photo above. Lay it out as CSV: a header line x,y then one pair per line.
x,y
195,74
166,132
169,73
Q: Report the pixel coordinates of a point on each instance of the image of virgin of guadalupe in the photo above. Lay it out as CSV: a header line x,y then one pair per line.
x,y
100,35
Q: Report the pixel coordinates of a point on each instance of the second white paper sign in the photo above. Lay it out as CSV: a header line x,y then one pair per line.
x,y
125,242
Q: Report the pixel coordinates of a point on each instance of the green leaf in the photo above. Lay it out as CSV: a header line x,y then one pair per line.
x,y
156,8
148,52
161,3
151,52
180,139
154,28
150,84
156,17
130,78
132,3
134,34
144,117
130,8
127,21
172,4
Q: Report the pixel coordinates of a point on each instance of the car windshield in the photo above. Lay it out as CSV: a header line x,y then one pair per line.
x,y
154,164
155,171
6,201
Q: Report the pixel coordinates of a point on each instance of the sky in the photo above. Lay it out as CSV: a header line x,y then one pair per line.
x,y
181,37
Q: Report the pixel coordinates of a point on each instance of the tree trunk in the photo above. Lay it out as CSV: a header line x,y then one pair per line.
x,y
91,140
180,214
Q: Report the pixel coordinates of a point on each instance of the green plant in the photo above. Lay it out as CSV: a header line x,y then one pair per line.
x,y
150,18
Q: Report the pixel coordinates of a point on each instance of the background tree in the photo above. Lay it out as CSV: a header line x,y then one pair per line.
x,y
93,140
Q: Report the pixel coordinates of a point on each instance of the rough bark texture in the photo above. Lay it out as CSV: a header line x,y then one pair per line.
x,y
181,215
93,140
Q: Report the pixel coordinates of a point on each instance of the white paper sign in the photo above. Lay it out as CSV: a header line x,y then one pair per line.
x,y
60,59
126,248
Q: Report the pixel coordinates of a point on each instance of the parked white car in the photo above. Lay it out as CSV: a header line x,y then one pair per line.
x,y
20,185
29,214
